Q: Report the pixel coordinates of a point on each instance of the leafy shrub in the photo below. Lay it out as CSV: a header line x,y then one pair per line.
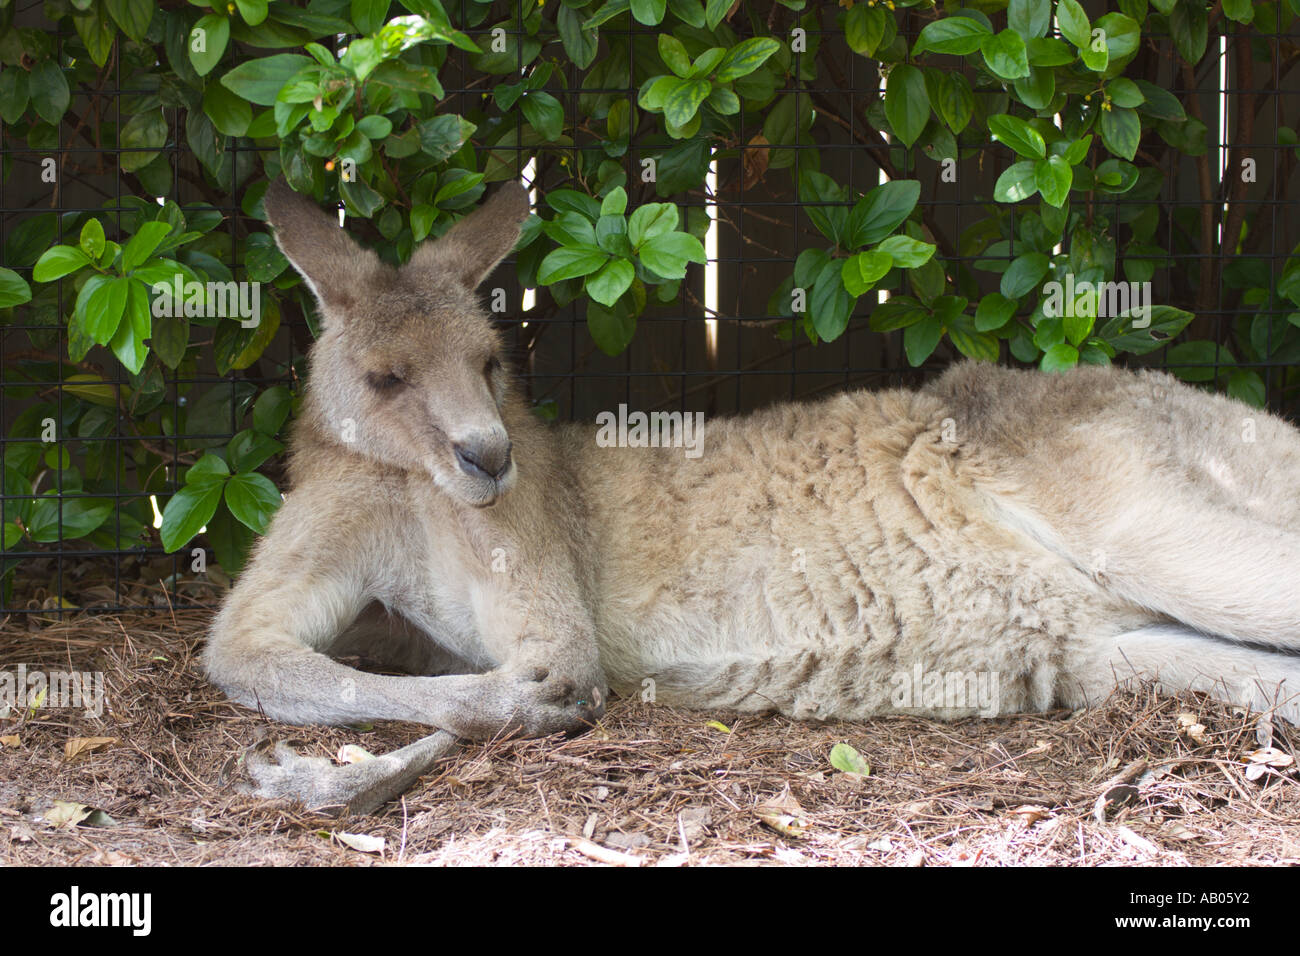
x,y
346,100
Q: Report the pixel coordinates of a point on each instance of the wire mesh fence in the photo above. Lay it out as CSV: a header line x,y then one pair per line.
x,y
724,344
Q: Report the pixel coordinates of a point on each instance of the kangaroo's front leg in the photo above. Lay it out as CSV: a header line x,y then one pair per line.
x,y
304,587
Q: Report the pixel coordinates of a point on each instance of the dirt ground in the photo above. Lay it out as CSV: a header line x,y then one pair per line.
x,y
1143,780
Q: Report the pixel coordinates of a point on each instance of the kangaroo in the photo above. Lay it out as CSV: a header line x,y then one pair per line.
x,y
1057,533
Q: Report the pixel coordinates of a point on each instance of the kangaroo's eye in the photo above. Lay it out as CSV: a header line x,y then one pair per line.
x,y
493,364
384,381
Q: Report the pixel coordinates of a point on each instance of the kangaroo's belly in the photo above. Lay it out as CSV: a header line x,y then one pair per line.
x,y
841,578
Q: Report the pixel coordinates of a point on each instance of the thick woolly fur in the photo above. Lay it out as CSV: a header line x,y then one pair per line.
x,y
1029,539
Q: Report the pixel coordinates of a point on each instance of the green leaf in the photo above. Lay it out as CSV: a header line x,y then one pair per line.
x,y
745,57
980,346
128,342
1124,92
1037,89
580,44
570,200
569,262
1190,28
674,54
374,126
229,113
956,101
1121,131
859,273
993,312
440,136
898,312
611,329
97,33
1077,152
1243,384
1073,23
1202,360
13,289
613,279
1024,274
881,211
1059,358
1053,177
207,42
1159,103
715,10
1243,11
920,340
906,252
141,246
1029,18
907,104
1005,55
253,11
1095,60
1018,134
845,758
1049,52
571,228
80,516
170,339
252,499
684,99
666,254
140,139
864,28
49,92
607,12
648,12
105,307
401,75
544,112
1163,324
187,512
614,203
260,80
92,238
272,409
956,35
368,15
59,261
132,16
14,95
1017,182
830,306
210,469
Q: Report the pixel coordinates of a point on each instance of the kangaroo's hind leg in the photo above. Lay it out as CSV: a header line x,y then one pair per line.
x,y
1218,571
1178,658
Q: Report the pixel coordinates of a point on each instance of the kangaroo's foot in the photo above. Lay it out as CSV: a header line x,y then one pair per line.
x,y
278,771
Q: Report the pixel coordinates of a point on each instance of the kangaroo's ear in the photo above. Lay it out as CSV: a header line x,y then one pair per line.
x,y
469,250
337,269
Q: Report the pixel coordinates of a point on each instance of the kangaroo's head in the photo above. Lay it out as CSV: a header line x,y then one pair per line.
x,y
408,368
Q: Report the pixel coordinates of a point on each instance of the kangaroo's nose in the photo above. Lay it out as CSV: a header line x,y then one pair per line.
x,y
483,457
